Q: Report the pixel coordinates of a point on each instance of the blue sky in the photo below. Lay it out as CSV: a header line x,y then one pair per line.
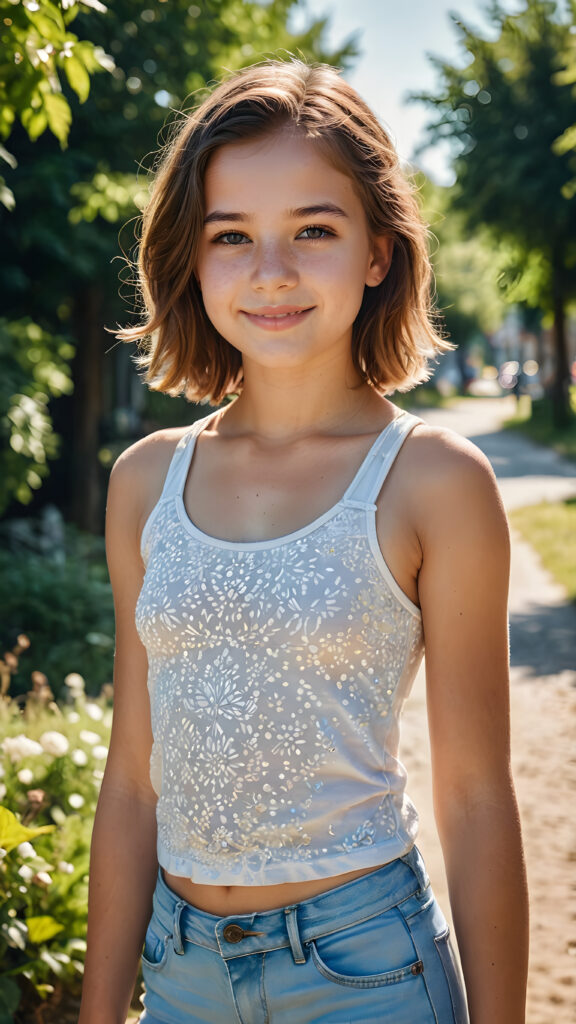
x,y
395,36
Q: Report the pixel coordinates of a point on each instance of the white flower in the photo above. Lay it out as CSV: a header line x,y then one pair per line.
x,y
73,717
97,775
20,746
2,771
66,867
3,852
80,757
17,932
75,683
94,711
90,737
26,850
26,775
2,790
42,878
76,801
26,872
100,752
54,743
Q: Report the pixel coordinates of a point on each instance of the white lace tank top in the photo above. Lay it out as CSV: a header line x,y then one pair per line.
x,y
277,673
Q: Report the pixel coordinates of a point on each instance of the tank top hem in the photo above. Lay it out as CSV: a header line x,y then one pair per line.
x,y
280,873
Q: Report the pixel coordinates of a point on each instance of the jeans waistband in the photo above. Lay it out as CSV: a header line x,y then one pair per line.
x,y
295,925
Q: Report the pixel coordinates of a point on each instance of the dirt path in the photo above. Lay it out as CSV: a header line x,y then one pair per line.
x,y
543,707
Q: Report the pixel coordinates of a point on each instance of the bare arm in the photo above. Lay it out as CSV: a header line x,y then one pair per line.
x,y
463,588
123,863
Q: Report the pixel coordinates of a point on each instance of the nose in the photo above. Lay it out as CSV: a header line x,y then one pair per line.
x,y
274,267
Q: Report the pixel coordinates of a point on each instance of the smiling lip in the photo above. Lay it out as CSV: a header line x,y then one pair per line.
x,y
277,318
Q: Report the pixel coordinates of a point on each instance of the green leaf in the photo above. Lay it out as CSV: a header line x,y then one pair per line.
x,y
42,928
10,996
47,22
59,116
12,833
35,122
78,77
565,142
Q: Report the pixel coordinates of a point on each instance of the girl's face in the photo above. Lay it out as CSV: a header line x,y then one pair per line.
x,y
285,253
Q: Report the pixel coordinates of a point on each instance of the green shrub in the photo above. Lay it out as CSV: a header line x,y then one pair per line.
x,y
62,599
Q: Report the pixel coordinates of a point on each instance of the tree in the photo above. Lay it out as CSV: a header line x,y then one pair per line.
x,y
465,275
62,236
504,113
38,52
38,49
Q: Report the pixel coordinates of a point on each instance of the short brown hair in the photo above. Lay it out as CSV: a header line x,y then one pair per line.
x,y
395,331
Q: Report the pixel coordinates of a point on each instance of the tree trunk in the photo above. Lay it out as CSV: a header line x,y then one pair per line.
x,y
560,392
86,475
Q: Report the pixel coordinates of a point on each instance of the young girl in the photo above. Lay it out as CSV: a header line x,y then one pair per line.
x,y
276,567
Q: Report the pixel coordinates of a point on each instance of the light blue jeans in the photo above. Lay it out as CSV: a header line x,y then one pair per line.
x,y
373,951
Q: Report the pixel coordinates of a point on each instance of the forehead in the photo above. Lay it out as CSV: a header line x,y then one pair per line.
x,y
285,167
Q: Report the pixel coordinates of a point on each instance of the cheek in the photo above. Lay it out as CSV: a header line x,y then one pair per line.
x,y
216,281
343,280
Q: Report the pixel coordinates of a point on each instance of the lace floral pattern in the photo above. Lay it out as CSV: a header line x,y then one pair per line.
x,y
276,677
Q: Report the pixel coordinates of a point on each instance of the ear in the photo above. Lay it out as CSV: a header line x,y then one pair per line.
x,y
380,260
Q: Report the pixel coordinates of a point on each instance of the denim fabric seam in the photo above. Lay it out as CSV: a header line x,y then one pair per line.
x,y
263,991
312,936
394,977
158,965
442,943
420,905
408,920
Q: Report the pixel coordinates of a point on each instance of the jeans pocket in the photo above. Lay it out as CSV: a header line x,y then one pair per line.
x,y
156,946
453,977
365,980
369,954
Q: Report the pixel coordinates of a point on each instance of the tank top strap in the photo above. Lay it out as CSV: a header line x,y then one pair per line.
x,y
180,463
377,464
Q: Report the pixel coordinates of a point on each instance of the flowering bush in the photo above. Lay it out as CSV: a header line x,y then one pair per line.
x,y
51,765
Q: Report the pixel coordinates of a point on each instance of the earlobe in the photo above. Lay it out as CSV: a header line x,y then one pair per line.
x,y
380,262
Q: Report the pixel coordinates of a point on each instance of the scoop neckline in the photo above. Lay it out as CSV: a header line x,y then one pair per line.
x,y
286,538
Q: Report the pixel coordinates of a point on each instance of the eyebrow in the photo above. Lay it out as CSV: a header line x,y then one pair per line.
x,y
297,214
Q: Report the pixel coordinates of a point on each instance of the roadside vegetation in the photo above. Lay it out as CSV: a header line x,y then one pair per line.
x,y
536,421
551,529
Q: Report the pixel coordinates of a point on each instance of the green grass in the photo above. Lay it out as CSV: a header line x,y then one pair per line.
x,y
534,420
551,529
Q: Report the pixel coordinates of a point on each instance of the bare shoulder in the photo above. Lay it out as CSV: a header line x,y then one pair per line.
x,y
145,463
138,476
148,455
439,451
450,483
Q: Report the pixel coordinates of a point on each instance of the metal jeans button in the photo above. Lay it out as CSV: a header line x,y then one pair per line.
x,y
235,933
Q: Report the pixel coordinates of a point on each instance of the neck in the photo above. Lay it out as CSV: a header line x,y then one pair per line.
x,y
287,404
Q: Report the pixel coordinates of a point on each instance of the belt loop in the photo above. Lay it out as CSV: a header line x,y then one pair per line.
x,y
414,860
294,935
176,934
